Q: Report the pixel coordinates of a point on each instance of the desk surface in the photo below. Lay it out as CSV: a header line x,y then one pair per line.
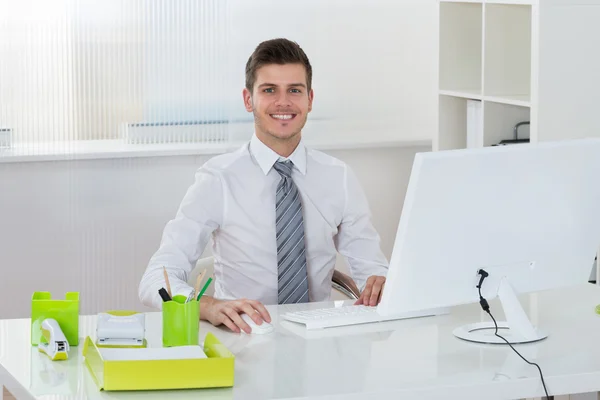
x,y
417,358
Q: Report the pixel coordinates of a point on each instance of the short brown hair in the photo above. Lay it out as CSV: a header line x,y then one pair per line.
x,y
276,51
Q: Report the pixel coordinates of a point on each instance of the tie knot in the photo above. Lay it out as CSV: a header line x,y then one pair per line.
x,y
284,168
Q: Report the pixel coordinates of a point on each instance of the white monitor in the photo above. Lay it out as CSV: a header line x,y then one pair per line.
x,y
528,214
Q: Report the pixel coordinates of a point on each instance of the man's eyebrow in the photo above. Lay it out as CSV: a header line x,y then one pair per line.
x,y
290,85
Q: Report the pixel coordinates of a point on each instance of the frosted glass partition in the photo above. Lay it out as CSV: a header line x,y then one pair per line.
x,y
160,71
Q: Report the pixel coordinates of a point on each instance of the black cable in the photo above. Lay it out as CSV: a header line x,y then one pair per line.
x,y
485,306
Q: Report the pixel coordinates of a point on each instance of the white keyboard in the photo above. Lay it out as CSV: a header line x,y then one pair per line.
x,y
348,315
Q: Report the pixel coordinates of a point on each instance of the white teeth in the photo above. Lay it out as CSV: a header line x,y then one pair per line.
x,y
281,116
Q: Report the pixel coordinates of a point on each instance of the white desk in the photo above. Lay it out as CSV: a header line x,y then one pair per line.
x,y
417,358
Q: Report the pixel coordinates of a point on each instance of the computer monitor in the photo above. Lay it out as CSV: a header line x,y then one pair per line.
x,y
528,214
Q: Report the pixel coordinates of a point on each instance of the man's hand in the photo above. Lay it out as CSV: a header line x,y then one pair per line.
x,y
371,296
220,312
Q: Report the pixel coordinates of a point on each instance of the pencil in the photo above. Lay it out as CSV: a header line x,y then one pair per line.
x,y
204,288
167,282
198,281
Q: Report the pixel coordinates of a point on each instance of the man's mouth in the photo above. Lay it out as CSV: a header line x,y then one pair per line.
x,y
283,117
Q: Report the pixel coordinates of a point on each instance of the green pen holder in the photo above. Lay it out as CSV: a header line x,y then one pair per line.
x,y
65,312
180,322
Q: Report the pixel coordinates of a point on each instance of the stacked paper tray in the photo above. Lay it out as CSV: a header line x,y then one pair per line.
x,y
182,367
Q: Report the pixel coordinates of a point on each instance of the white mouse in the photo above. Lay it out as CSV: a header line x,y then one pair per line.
x,y
265,327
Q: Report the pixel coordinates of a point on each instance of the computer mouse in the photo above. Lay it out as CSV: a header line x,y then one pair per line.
x,y
262,329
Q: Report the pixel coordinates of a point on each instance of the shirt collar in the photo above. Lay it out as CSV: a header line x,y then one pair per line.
x,y
267,157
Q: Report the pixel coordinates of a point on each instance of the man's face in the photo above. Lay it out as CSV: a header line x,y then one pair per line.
x,y
279,100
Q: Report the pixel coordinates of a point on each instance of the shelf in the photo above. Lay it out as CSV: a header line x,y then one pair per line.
x,y
515,100
499,122
110,149
507,48
524,2
465,94
460,46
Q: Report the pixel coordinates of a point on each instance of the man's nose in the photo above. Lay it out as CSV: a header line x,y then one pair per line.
x,y
283,99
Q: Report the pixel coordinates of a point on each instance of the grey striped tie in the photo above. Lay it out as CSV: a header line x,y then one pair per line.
x,y
291,259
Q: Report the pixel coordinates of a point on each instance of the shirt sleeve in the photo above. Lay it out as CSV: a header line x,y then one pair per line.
x,y
184,238
357,240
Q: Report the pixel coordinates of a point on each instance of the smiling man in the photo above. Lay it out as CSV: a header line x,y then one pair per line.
x,y
277,211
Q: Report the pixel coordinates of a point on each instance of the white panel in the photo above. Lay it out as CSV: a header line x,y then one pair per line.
x,y
569,91
507,51
460,47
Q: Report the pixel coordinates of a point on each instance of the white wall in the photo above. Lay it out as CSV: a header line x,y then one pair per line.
x,y
91,225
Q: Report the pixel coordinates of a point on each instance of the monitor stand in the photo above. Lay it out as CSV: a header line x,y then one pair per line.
x,y
516,329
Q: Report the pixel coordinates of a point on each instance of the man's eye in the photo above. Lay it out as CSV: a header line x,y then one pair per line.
x,y
295,90
269,90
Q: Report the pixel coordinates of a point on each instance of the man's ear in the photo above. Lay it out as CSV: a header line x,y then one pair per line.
x,y
247,100
311,96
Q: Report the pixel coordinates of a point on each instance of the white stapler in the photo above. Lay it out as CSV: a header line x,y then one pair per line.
x,y
57,347
120,329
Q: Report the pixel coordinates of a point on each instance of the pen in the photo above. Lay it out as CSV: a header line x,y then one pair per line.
x,y
190,297
167,282
164,295
196,289
204,288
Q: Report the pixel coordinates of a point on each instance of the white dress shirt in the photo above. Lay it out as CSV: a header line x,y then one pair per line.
x,y
233,199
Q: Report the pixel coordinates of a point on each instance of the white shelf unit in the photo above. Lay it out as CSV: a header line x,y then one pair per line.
x,y
521,60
